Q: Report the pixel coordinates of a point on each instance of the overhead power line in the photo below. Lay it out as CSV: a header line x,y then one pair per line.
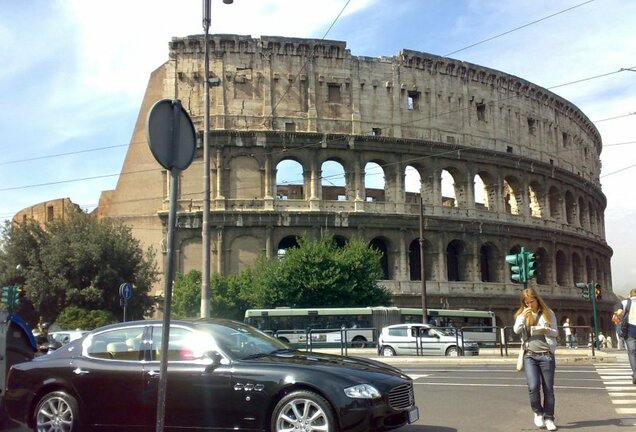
x,y
518,28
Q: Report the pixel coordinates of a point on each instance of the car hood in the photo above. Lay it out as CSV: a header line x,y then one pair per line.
x,y
351,366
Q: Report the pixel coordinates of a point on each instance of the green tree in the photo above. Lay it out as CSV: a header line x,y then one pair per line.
x,y
74,317
186,295
79,261
225,299
319,274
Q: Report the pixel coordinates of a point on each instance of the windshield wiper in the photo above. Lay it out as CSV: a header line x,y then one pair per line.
x,y
283,350
253,356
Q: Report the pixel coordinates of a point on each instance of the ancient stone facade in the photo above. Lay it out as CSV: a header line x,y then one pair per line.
x,y
47,211
524,165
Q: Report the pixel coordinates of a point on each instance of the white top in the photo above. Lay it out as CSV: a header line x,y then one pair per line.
x,y
550,336
567,329
631,319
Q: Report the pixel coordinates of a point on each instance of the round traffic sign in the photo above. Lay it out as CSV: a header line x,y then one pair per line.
x,y
171,134
125,291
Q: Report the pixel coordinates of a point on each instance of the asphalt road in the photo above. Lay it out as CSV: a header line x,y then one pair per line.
x,y
493,397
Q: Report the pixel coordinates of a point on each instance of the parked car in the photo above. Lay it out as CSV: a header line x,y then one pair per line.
x,y
66,336
409,339
221,375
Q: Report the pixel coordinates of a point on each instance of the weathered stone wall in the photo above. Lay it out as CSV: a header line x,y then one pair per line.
x,y
311,101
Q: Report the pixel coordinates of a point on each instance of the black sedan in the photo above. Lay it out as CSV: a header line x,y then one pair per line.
x,y
222,375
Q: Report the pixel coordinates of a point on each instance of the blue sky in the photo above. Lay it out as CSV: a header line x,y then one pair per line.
x,y
74,73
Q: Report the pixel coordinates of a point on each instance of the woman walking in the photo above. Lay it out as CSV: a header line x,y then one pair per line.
x,y
538,325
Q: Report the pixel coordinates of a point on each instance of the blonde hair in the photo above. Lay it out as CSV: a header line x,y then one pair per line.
x,y
632,293
543,308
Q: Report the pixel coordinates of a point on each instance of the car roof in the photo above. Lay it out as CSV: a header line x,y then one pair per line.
x,y
408,325
185,321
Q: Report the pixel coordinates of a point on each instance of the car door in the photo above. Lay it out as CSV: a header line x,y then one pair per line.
x,y
198,394
429,342
109,388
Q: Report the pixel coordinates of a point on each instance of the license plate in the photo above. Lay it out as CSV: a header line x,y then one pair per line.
x,y
414,415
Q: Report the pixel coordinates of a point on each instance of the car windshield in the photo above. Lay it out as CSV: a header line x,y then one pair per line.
x,y
242,342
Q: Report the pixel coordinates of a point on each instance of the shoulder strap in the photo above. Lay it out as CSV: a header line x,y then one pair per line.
x,y
629,305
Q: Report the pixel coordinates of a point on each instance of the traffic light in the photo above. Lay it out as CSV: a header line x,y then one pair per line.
x,y
5,296
597,291
517,267
585,290
531,264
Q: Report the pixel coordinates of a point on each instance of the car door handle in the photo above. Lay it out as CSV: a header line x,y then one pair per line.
x,y
153,373
78,371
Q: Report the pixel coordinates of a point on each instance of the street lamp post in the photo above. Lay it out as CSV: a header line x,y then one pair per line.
x,y
205,234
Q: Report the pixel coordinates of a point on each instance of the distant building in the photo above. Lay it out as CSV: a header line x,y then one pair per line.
x,y
47,211
499,163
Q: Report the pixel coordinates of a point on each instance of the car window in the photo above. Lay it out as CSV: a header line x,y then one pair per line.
x,y
398,331
184,345
119,344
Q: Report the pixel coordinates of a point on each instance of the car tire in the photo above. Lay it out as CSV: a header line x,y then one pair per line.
x,y
58,407
387,351
315,413
452,351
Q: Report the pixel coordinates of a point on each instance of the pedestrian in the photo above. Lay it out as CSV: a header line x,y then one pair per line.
x,y
568,333
602,341
538,322
630,341
620,342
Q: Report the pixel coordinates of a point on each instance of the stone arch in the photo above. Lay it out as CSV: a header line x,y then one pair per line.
x,y
489,263
244,178
589,269
412,184
382,244
535,199
414,260
456,261
544,273
190,257
374,182
577,268
453,190
340,241
244,251
592,217
285,243
583,220
290,180
555,203
562,274
482,190
570,208
512,195
333,181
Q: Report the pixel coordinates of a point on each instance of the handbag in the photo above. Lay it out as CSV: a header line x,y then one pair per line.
x,y
625,320
522,354
522,350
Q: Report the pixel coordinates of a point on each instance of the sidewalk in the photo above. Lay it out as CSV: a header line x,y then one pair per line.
x,y
488,356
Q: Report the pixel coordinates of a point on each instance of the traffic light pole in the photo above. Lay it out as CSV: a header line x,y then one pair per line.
x,y
591,287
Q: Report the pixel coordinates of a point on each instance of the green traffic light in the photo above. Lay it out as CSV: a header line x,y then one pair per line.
x,y
531,264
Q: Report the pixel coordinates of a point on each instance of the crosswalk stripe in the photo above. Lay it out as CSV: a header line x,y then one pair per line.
x,y
617,380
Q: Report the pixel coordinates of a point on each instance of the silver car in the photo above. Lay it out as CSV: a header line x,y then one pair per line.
x,y
408,339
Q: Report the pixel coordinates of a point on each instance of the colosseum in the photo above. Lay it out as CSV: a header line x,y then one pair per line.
x,y
497,162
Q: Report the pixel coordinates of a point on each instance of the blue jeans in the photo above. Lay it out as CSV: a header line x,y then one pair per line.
x,y
630,343
540,375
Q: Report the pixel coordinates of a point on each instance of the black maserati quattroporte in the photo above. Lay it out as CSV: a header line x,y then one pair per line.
x,y
222,375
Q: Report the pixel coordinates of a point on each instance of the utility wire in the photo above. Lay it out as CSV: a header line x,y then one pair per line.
x,y
518,28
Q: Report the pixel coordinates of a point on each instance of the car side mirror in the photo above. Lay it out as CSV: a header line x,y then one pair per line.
x,y
217,360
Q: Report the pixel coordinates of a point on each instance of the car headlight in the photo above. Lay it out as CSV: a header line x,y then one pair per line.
x,y
362,391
